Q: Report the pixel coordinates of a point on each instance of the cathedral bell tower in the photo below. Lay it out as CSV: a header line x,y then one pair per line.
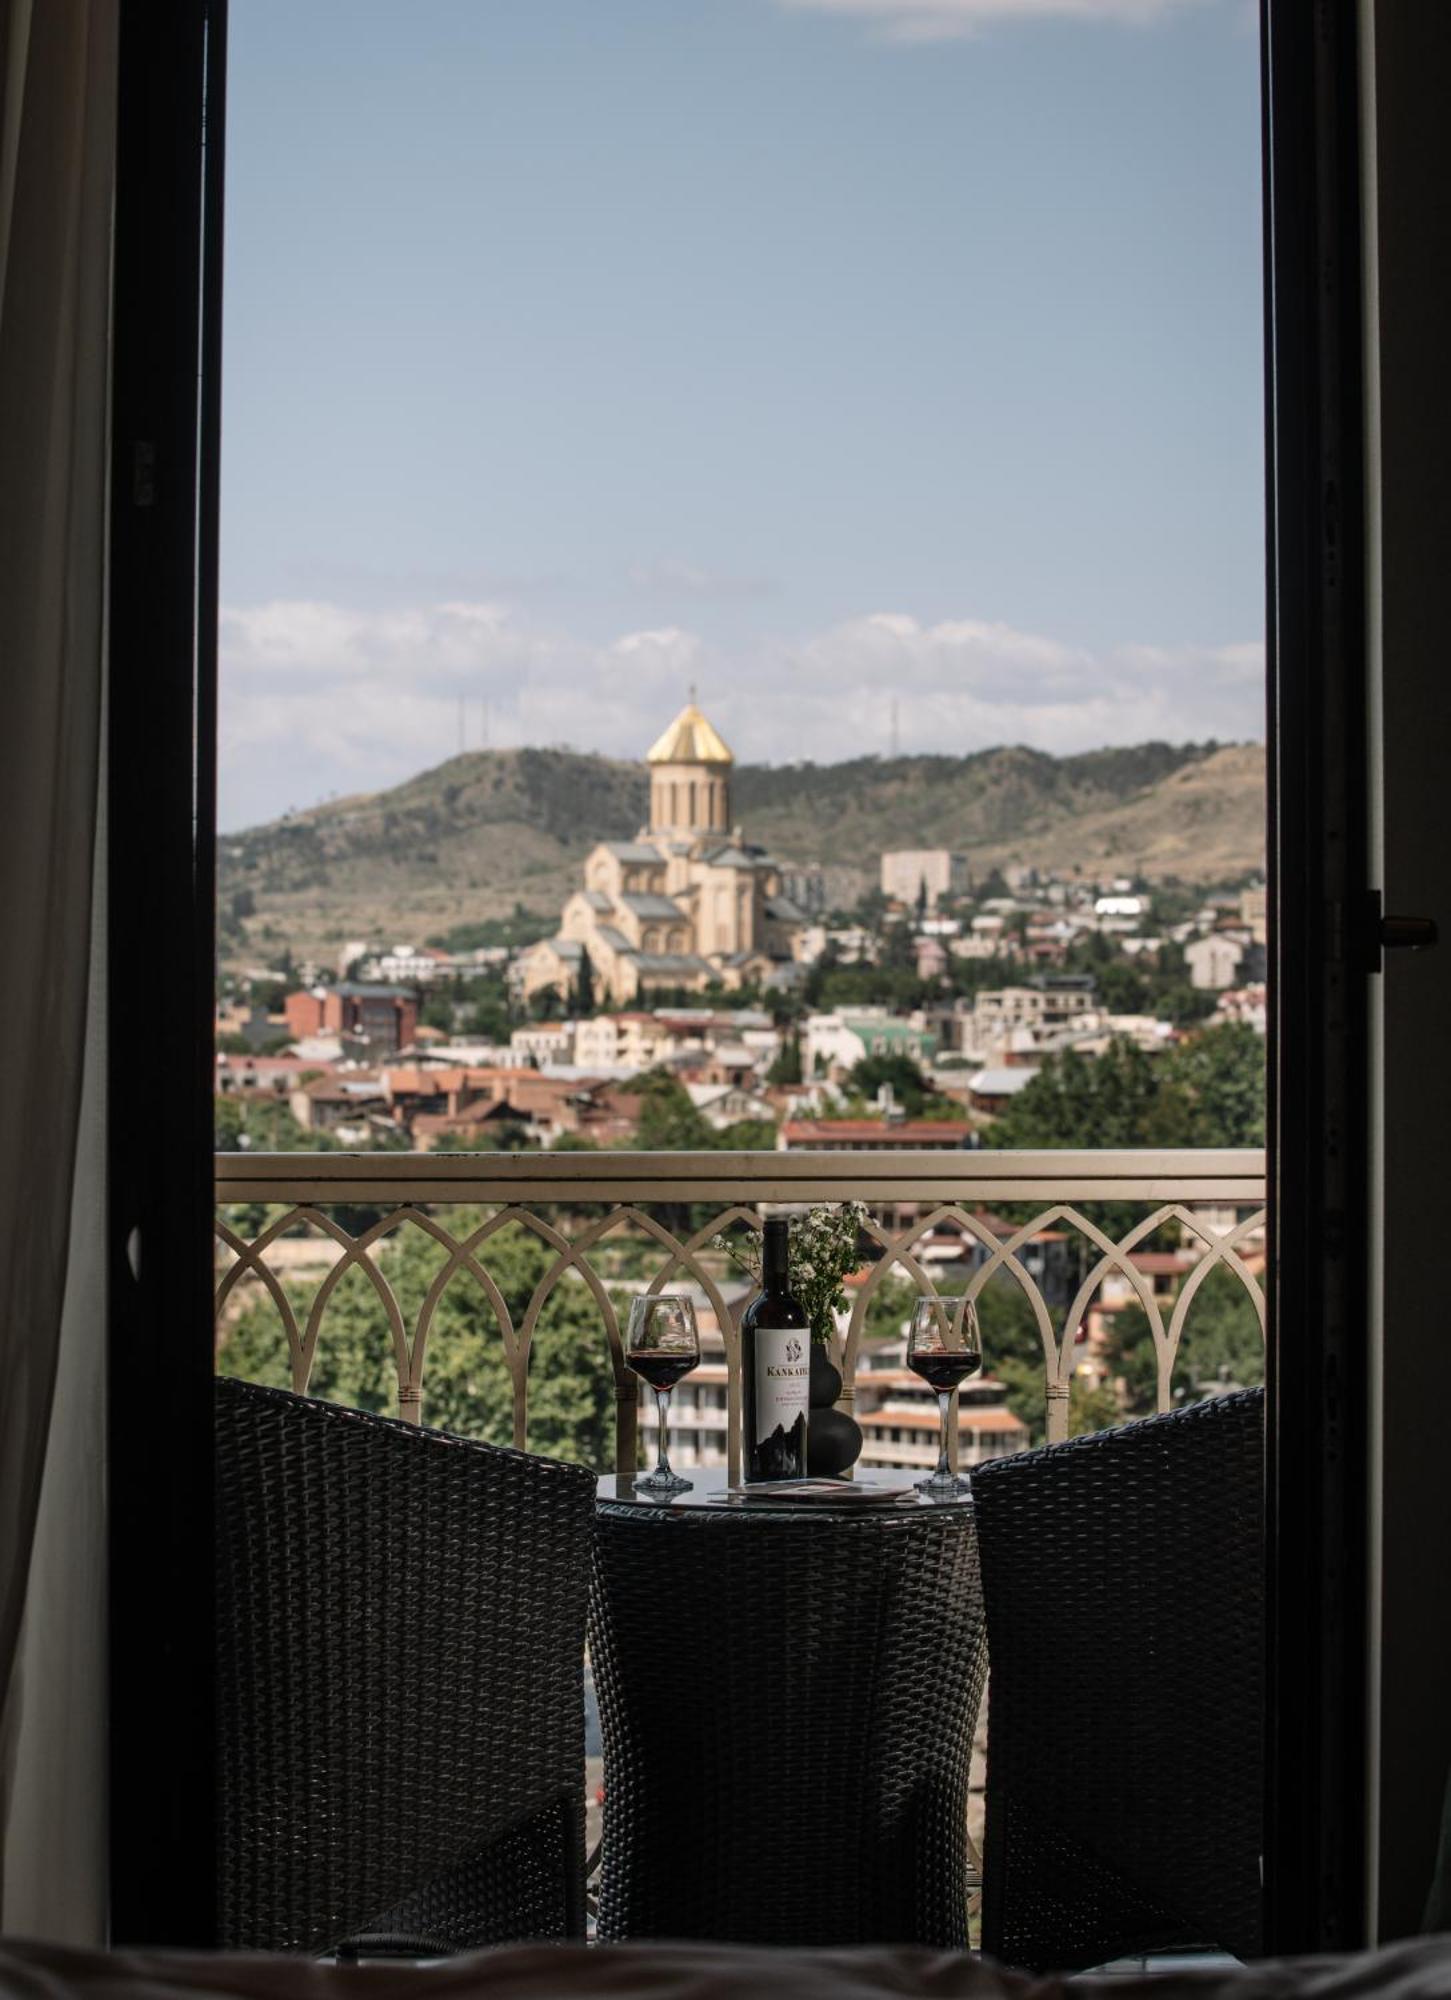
x,y
690,780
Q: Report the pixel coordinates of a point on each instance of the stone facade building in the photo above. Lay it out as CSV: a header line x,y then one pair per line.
x,y
689,903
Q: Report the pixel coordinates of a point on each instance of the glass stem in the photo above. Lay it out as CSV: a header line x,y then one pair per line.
x,y
944,1407
662,1399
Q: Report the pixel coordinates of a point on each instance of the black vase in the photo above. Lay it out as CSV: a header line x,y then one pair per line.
x,y
833,1441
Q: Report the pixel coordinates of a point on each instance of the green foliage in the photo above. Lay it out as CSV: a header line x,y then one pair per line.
x,y
1116,1099
746,1135
1222,1075
825,1246
524,927
266,1123
898,953
466,1379
437,1010
786,1064
1221,1342
584,986
505,1135
830,984
910,1087
240,1045
1206,1091
669,1122
487,1012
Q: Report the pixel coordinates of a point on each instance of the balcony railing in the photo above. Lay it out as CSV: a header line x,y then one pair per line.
x,y
1057,1225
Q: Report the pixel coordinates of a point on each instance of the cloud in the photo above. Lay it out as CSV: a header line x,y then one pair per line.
x,y
949,20
320,698
667,576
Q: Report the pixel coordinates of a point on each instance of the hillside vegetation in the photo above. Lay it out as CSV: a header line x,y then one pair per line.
x,y
494,829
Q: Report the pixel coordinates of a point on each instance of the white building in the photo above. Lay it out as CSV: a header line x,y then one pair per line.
x,y
908,871
1214,961
545,1041
900,1425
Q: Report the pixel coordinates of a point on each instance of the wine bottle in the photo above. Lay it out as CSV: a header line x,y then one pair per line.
x,y
775,1367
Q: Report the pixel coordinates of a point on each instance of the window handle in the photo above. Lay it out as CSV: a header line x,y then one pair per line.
x,y
1381,933
1407,933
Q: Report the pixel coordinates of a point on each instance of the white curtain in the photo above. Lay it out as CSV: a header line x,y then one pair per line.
x,y
57,142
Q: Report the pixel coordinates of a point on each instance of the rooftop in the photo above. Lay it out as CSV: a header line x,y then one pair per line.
x,y
633,850
1001,1082
690,739
932,1133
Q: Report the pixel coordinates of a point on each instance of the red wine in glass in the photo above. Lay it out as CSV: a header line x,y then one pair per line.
x,y
662,1369
943,1371
944,1348
662,1344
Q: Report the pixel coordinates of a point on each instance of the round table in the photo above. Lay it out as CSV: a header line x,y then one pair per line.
x,y
788,1696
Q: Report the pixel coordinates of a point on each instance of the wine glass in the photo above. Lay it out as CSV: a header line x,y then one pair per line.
x,y
944,1348
662,1345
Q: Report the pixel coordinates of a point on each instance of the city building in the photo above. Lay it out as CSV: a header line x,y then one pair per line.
x,y
901,1428
833,1044
368,1020
908,872
1214,961
1042,1007
989,1089
689,903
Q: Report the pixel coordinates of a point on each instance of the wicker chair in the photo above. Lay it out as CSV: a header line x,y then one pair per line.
x,y
1123,1581
401,1703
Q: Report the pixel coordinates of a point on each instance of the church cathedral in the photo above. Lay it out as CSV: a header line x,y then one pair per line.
x,y
688,903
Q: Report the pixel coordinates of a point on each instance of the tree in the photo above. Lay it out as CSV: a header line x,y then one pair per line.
x,y
466,1384
909,1086
668,1122
1121,1098
747,1135
262,1125
1221,1341
786,1063
897,952
1221,1072
584,986
488,1014
438,1009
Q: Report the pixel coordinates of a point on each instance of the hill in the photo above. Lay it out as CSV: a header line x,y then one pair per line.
x,y
493,829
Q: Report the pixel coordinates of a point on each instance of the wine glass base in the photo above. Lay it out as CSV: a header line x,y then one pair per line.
x,y
662,1482
945,1485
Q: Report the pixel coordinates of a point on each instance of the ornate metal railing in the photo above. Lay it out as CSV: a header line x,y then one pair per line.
x,y
674,1206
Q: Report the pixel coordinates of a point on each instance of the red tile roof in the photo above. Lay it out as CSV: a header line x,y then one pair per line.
x,y
938,1133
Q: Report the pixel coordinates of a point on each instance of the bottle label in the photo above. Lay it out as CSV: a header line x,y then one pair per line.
x,y
783,1379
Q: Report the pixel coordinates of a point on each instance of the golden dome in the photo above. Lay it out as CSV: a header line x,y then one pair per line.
x,y
690,739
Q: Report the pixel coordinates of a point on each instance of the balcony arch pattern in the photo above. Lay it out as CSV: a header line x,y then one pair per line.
x,y
667,1212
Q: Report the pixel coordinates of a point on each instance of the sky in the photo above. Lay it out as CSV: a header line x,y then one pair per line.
x,y
887,370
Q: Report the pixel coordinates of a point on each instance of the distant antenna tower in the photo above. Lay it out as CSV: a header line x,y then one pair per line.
x,y
483,725
462,726
896,729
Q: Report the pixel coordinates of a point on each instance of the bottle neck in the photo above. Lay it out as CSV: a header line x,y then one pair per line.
x,y
776,1257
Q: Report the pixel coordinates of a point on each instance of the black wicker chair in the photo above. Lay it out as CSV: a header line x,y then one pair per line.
x,y
1122,1577
401,1623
